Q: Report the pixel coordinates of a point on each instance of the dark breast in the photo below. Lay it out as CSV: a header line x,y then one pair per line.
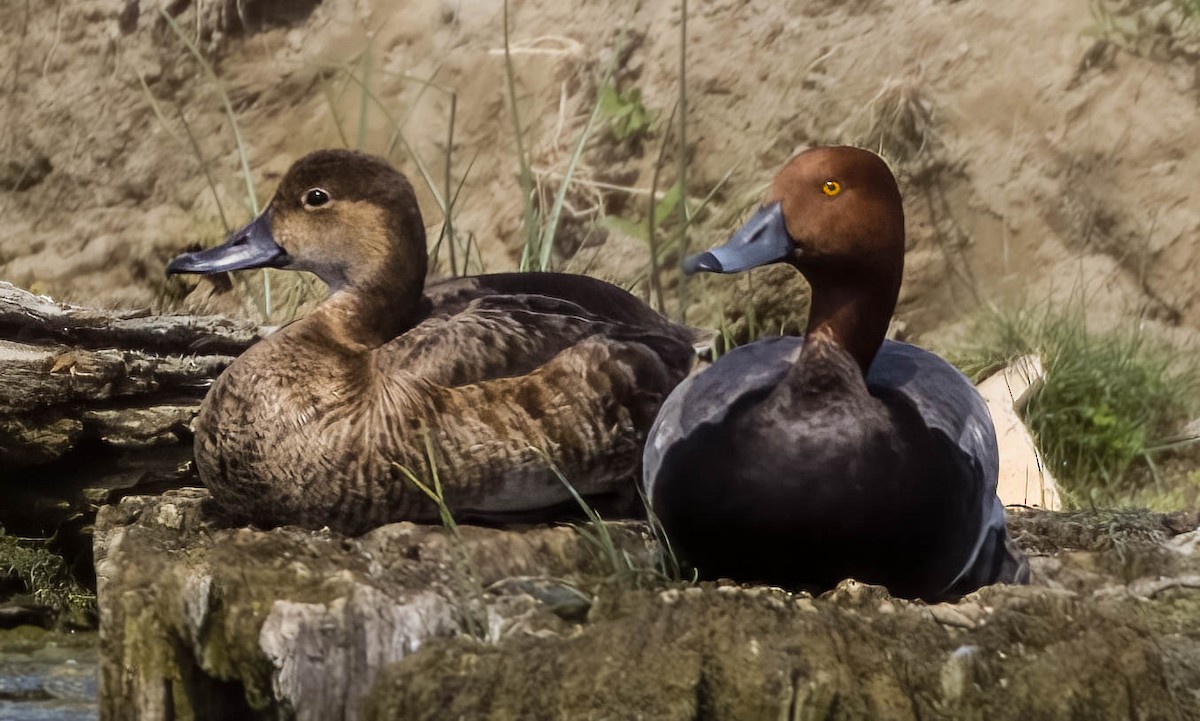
x,y
789,471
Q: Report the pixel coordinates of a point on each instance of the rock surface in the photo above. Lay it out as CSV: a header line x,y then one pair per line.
x,y
128,379
204,621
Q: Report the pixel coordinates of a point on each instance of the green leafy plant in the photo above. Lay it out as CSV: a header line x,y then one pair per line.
x,y
1148,27
628,119
662,213
1189,8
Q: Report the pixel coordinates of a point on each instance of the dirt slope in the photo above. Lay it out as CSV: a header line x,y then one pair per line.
x,y
1036,158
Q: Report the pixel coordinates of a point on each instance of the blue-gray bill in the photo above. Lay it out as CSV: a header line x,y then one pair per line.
x,y
252,246
760,241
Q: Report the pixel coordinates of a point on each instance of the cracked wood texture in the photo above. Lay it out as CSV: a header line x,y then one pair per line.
x,y
127,379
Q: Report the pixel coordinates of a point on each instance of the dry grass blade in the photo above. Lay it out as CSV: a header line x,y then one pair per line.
x,y
901,122
363,106
470,596
682,158
397,125
243,156
212,185
546,243
526,175
652,219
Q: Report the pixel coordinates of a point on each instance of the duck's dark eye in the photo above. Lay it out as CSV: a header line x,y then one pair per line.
x,y
315,198
831,188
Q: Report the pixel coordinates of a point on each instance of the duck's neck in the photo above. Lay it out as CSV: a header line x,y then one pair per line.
x,y
853,314
360,317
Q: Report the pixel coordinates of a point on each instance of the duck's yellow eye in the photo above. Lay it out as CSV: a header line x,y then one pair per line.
x,y
831,188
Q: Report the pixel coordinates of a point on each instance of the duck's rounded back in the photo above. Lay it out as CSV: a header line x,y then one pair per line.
x,y
806,461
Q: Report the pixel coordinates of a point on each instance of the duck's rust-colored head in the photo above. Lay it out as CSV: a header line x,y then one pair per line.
x,y
348,217
835,213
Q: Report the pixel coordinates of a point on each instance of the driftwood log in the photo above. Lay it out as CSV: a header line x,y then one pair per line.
x,y
126,379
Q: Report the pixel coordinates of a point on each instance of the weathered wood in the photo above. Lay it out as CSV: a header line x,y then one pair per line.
x,y
125,378
25,317
203,621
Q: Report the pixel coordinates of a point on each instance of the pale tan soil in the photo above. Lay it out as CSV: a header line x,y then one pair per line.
x,y
1035,160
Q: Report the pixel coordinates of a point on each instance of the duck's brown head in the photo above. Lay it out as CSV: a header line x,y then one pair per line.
x,y
348,217
835,213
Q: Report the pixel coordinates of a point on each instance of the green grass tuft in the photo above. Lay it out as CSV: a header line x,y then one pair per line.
x,y
1110,405
626,570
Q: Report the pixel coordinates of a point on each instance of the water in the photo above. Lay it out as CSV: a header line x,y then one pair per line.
x,y
47,676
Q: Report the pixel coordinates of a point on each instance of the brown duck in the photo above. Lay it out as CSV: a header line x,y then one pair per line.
x,y
492,382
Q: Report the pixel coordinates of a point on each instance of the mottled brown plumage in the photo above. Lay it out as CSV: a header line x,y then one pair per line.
x,y
496,377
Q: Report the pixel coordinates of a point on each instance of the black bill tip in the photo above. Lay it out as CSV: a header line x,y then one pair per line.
x,y
701,262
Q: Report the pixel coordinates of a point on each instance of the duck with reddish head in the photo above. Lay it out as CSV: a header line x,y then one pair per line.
x,y
805,461
488,387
